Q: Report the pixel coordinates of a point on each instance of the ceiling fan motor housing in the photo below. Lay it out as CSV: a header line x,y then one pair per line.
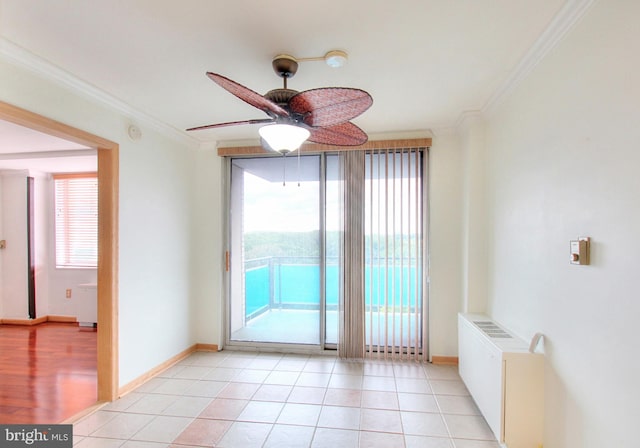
x,y
285,66
280,96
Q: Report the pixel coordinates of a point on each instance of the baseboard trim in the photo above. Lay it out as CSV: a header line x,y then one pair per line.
x,y
445,360
82,414
207,348
27,322
155,371
39,320
62,319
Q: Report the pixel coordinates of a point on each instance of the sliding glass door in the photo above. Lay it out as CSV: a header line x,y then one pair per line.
x,y
275,255
290,228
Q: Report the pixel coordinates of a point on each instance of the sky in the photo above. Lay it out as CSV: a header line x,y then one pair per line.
x,y
270,206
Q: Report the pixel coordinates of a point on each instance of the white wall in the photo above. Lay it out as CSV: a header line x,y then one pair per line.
x,y
445,242
474,213
14,285
14,266
563,162
208,247
13,204
62,279
155,252
155,220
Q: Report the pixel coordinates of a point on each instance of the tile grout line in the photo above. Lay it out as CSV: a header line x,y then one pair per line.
x,y
313,378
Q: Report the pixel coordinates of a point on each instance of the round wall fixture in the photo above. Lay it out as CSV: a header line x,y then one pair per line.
x,y
134,132
335,58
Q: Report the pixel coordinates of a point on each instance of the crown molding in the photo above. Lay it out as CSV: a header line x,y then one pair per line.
x,y
23,58
467,117
208,146
570,13
442,132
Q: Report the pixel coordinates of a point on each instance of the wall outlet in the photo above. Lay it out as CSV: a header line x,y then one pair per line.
x,y
68,294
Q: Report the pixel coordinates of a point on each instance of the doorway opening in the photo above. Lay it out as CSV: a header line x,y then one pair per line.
x,y
107,273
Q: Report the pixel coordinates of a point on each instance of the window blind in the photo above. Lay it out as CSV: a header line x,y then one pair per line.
x,y
395,292
351,340
384,298
76,220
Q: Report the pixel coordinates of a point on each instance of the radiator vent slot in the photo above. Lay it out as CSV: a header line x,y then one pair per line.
x,y
492,330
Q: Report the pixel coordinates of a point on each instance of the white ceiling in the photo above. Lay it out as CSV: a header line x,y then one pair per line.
x,y
18,139
22,148
423,61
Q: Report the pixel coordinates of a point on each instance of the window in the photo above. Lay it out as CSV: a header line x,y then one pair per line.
x,y
76,220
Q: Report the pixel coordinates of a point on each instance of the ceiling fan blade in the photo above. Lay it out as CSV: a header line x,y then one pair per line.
x,y
330,105
343,134
247,95
232,123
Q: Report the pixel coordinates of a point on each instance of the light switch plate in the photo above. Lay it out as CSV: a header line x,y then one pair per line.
x,y
580,251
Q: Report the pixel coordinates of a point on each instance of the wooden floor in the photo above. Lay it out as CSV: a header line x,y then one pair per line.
x,y
48,372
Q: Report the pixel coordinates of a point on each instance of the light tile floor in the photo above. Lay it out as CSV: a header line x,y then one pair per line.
x,y
239,399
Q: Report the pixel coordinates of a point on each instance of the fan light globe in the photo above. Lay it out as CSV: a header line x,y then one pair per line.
x,y
284,138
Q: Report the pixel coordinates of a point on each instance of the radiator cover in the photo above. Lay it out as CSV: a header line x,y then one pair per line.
x,y
505,380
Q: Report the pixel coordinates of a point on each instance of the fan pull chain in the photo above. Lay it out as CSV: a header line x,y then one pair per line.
x,y
284,170
299,151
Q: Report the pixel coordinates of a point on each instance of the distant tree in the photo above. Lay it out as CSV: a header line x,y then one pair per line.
x,y
281,244
307,244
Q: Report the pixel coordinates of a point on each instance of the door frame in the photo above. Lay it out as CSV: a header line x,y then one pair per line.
x,y
321,347
108,183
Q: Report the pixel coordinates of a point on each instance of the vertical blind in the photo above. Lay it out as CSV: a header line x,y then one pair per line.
x,y
351,340
392,296
76,220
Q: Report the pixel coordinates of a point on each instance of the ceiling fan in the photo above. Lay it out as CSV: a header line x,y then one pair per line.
x,y
319,115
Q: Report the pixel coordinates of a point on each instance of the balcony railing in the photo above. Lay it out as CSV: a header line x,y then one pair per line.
x,y
294,283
